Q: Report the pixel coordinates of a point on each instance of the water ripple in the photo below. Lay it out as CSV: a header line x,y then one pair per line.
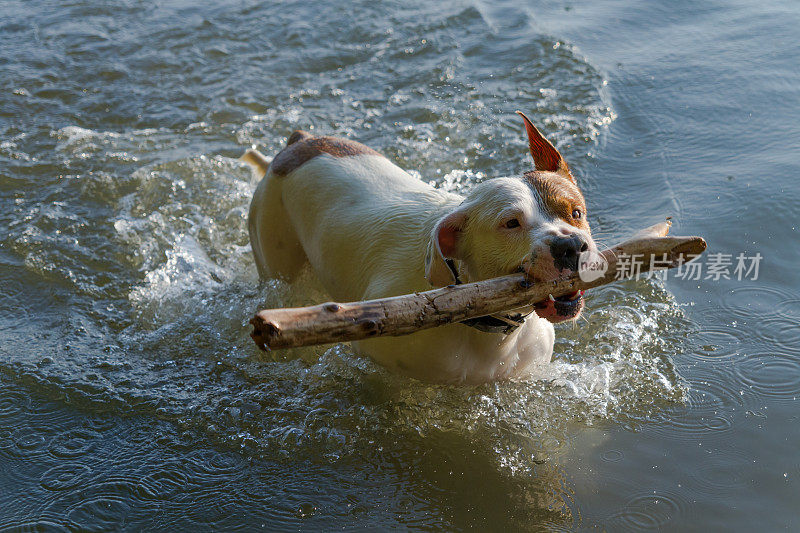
x,y
12,404
771,375
167,481
612,456
710,402
28,443
74,443
650,511
65,477
43,524
780,332
720,473
100,513
758,301
101,505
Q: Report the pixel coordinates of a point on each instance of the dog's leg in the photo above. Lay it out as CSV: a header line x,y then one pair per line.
x,y
276,248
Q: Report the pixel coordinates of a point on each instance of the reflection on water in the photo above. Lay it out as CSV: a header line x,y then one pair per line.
x,y
131,391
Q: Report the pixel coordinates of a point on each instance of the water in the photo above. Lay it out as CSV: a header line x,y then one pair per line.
x,y
131,395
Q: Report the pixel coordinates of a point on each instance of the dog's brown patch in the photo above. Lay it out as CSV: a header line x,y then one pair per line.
x,y
298,135
303,147
559,196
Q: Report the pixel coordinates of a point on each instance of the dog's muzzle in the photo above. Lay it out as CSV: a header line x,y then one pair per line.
x,y
566,251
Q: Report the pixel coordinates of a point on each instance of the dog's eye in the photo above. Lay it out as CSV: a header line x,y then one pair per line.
x,y
576,214
513,223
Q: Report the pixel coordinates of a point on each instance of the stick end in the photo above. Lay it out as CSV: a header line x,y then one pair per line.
x,y
264,331
656,230
690,249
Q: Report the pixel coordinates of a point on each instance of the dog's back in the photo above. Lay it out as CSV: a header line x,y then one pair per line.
x,y
354,215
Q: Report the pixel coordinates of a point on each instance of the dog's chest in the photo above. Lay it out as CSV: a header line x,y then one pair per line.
x,y
460,354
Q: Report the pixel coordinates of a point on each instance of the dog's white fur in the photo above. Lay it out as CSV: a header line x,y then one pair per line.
x,y
366,227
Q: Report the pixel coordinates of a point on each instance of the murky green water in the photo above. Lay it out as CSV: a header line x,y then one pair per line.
x,y
131,395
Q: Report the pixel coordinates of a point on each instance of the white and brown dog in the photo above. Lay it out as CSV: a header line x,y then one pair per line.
x,y
370,229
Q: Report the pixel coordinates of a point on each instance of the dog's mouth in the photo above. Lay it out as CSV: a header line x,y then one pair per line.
x,y
560,309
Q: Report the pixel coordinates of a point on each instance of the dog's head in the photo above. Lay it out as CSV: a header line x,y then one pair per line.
x,y
535,224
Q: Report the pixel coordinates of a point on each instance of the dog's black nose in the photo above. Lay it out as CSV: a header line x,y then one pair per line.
x,y
566,250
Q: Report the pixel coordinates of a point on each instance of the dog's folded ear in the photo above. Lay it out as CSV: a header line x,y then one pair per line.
x,y
545,156
444,245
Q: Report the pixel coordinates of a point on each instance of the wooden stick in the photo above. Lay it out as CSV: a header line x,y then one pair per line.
x,y
401,315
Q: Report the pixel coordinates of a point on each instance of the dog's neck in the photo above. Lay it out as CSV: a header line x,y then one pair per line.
x,y
504,323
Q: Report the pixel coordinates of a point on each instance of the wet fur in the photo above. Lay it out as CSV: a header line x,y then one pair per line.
x,y
369,229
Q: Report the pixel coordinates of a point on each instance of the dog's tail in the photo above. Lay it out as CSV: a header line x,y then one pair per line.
x,y
257,161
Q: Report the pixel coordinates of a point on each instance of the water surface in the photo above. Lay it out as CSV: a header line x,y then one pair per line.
x,y
131,395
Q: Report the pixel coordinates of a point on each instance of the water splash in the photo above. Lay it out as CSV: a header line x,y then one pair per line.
x,y
149,229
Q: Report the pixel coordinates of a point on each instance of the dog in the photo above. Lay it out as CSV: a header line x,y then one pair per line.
x,y
369,230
